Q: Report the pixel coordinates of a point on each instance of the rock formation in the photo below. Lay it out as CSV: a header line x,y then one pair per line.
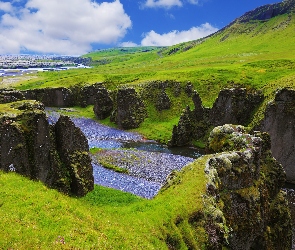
x,y
103,104
78,95
232,106
56,155
163,101
279,122
192,124
10,95
52,97
130,109
245,207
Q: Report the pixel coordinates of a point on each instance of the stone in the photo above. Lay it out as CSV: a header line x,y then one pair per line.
x,y
245,207
234,106
163,101
130,110
279,122
103,104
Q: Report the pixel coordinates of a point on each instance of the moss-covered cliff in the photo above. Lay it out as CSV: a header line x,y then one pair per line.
x,y
32,147
245,207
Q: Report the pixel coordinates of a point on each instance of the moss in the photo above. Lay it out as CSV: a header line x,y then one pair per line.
x,y
113,167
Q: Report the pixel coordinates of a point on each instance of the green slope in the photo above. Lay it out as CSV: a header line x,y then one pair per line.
x,y
35,217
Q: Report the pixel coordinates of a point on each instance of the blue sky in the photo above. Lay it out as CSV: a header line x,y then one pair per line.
x,y
75,27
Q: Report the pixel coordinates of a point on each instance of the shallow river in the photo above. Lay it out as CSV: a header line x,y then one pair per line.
x,y
148,175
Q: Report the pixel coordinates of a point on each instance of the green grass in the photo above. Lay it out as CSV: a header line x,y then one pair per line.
x,y
35,217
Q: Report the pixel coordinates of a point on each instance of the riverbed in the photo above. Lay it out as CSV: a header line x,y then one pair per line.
x,y
147,162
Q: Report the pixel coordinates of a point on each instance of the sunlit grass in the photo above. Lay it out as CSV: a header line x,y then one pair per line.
x,y
34,217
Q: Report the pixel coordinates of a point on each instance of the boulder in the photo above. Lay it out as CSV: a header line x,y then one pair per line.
x,y
103,104
130,110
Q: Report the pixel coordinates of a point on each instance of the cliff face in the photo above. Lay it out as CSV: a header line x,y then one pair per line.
x,y
234,106
56,155
80,95
279,122
268,11
244,206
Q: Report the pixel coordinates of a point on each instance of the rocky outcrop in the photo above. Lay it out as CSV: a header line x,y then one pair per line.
x,y
244,206
72,147
10,95
279,122
52,97
85,94
192,124
268,11
56,155
232,106
130,109
103,104
78,95
163,101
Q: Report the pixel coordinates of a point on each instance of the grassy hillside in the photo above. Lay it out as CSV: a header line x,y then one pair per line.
x,y
259,54
35,217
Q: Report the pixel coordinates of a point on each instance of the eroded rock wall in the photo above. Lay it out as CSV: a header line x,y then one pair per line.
x,y
56,155
130,109
244,206
279,122
234,106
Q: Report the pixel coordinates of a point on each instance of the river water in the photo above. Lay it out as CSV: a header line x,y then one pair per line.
x,y
146,175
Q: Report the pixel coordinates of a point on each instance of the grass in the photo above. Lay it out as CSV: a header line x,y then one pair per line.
x,y
34,217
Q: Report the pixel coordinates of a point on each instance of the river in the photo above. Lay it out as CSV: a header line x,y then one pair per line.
x,y
147,174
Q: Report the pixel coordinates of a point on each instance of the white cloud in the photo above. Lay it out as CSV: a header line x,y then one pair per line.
x,y
168,3
62,27
193,2
174,37
6,6
163,3
128,44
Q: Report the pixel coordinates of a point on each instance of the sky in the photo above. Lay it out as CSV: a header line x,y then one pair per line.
x,y
76,27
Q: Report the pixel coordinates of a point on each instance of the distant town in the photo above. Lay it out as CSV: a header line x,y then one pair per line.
x,y
10,64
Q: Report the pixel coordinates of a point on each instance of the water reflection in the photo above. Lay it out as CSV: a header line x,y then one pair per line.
x,y
153,146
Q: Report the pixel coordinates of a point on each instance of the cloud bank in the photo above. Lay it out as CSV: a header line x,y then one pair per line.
x,y
174,37
61,26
